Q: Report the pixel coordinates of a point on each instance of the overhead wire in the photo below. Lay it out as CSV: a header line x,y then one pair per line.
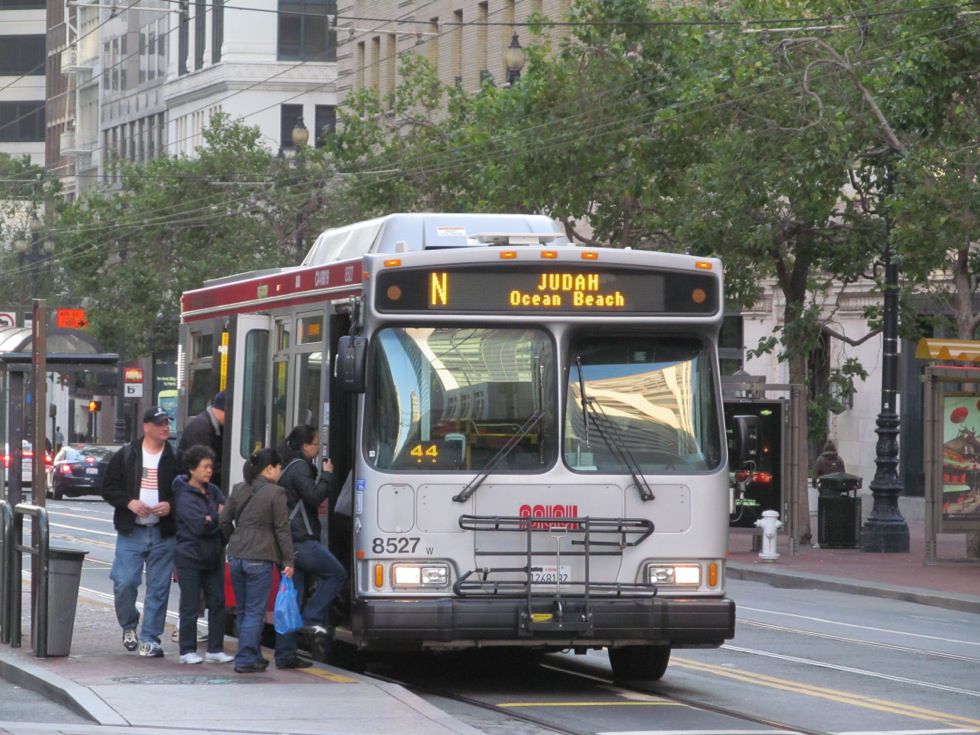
x,y
165,220
556,142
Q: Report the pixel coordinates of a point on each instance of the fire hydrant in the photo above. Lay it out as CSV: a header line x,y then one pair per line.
x,y
770,524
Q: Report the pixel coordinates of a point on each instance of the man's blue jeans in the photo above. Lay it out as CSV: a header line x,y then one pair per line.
x,y
251,581
144,547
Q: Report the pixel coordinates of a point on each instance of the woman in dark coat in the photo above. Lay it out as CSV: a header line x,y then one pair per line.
x,y
307,487
198,556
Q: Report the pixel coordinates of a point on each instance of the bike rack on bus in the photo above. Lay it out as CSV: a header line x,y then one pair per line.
x,y
609,535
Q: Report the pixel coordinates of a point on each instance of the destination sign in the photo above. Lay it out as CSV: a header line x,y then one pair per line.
x,y
552,289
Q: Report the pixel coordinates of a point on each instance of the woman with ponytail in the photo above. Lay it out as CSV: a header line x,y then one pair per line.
x,y
256,522
307,487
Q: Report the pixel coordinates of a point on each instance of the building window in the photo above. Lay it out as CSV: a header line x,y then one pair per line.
x,y
481,39
21,55
304,30
391,64
326,122
183,36
433,42
217,29
361,61
22,121
200,20
289,115
376,63
458,45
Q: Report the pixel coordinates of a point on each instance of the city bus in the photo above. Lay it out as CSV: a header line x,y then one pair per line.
x,y
531,432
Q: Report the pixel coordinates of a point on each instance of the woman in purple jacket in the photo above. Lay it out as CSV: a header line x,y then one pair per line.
x,y
198,556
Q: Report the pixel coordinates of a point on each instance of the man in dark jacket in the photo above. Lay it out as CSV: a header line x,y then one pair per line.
x,y
205,429
138,484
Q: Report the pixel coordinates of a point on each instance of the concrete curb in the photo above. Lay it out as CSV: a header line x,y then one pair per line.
x,y
67,693
796,580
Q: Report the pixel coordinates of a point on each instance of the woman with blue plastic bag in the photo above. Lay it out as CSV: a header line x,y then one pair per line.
x,y
256,521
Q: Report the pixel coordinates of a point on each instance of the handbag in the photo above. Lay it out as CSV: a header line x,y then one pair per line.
x,y
287,615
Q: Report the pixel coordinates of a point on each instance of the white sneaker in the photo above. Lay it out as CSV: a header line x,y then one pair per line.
x,y
191,658
219,657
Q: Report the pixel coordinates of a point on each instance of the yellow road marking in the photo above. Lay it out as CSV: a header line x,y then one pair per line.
x,y
329,676
835,695
661,703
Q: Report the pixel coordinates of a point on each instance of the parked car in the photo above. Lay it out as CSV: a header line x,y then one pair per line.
x,y
26,463
78,470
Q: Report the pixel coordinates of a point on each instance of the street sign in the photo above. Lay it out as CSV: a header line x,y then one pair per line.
x,y
134,390
8,319
71,319
133,375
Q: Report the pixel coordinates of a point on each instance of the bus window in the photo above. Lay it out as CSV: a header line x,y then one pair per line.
x,y
280,384
652,397
253,414
309,366
444,399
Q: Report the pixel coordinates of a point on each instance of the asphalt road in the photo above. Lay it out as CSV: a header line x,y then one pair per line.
x,y
801,661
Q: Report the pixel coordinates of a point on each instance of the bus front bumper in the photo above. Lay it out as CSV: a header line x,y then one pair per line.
x,y
690,622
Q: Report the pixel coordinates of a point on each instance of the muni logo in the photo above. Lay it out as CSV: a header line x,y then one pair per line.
x,y
549,511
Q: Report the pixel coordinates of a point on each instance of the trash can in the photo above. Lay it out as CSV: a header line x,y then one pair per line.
x,y
838,511
64,575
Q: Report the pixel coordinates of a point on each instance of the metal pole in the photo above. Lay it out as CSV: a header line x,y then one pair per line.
x,y
885,529
120,426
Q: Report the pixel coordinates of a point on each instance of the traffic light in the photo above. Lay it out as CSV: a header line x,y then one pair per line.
x,y
94,406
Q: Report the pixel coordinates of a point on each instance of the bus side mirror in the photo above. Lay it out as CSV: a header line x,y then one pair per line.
x,y
745,442
351,359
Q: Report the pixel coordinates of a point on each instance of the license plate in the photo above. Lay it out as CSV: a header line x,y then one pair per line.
x,y
551,574
91,470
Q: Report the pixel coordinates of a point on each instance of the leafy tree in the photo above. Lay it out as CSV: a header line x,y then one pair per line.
x,y
129,253
26,192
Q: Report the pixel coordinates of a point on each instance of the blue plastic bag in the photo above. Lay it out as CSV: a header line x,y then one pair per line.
x,y
287,615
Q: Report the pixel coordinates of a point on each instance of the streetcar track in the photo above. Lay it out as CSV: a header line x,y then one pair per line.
x,y
859,641
692,703
489,706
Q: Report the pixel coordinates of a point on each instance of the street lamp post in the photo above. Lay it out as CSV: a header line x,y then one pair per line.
x,y
885,530
300,137
29,248
514,59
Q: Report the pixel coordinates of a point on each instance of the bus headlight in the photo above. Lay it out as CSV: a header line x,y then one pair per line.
x,y
419,575
687,575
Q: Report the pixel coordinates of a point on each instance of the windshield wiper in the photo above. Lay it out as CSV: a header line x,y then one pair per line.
x,y
499,457
591,409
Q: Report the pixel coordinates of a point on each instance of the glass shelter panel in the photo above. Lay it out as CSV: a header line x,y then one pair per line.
x,y
453,398
649,397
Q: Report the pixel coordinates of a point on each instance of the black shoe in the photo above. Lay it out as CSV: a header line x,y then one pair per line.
x,y
314,630
294,663
255,668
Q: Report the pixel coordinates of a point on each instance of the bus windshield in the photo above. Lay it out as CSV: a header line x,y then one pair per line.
x,y
646,401
450,399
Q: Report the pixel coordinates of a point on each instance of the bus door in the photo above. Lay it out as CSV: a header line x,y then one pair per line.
x,y
199,368
247,420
